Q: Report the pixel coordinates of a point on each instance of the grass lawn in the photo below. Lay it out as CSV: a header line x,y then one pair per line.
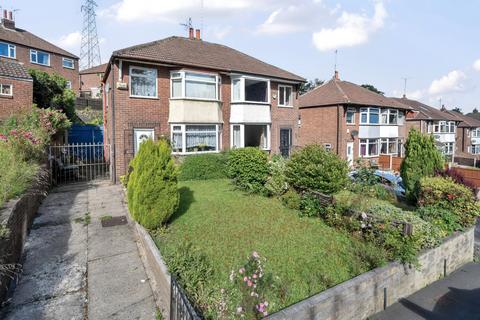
x,y
227,226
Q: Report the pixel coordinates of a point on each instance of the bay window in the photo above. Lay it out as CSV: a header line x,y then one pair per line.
x,y
40,57
285,96
195,85
143,82
475,133
193,138
389,116
250,135
448,148
246,89
389,146
350,116
380,116
7,50
369,147
444,127
475,149
369,115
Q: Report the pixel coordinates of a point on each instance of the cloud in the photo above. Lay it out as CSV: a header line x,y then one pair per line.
x,y
352,29
451,82
70,41
476,65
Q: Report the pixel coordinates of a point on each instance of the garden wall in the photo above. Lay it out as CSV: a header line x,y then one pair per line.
x,y
17,215
365,295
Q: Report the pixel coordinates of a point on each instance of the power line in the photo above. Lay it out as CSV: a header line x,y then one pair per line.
x,y
90,48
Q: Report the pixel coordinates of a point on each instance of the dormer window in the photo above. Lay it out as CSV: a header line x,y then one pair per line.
x,y
193,85
40,57
249,89
7,50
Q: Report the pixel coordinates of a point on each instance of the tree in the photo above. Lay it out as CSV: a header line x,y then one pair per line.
x,y
457,109
475,110
310,85
422,159
372,88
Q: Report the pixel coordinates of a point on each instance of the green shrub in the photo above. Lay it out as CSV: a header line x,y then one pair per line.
x,y
152,185
444,219
310,205
316,169
422,159
248,168
291,199
277,181
446,194
203,167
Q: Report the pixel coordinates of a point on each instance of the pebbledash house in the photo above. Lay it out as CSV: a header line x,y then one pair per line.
x,y
204,97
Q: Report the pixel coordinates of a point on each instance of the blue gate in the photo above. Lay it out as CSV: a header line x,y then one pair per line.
x,y
85,134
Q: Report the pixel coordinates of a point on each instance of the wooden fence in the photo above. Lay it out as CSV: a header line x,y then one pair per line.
x,y
389,162
470,175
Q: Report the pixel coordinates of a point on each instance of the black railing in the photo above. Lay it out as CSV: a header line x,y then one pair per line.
x,y
180,306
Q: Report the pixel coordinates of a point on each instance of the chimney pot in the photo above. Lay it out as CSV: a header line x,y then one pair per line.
x,y
10,16
5,14
190,33
337,76
198,34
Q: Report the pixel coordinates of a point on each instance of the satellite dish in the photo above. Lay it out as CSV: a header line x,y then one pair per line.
x,y
354,133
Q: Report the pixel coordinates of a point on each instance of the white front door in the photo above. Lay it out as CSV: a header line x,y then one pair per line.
x,y
140,135
350,153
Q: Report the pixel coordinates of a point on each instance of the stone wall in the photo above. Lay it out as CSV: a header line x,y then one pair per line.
x,y
17,215
368,293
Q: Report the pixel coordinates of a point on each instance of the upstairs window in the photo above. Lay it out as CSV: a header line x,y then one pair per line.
x,y
350,116
444,127
143,82
389,116
245,89
195,85
40,57
68,63
7,50
6,90
285,96
475,133
369,115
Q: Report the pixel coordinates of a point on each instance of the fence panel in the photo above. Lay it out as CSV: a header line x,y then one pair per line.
x,y
388,162
180,306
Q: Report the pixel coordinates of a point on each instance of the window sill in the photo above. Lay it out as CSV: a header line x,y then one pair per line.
x,y
41,64
192,153
350,124
250,102
68,68
380,124
142,97
196,99
5,57
6,96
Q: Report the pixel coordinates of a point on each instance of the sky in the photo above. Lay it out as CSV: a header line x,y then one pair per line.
x,y
432,43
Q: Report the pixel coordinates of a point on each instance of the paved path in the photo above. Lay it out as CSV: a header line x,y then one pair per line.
x,y
477,239
76,269
456,297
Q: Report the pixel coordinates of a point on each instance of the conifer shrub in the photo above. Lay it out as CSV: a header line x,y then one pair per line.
x,y
203,167
248,168
152,185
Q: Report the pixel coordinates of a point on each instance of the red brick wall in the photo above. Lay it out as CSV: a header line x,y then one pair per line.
x,y
21,99
56,66
283,117
90,80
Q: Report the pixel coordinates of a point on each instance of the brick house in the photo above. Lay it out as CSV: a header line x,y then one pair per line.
x,y
352,121
16,88
467,136
204,97
427,119
91,81
34,52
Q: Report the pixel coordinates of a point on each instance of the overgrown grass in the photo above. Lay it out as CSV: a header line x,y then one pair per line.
x,y
227,225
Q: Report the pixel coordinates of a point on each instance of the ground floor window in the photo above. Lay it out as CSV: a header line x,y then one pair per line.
x,y
475,149
376,146
194,138
250,135
369,147
389,146
448,148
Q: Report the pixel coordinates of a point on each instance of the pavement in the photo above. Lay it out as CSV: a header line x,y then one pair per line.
x,y
74,268
455,297
477,240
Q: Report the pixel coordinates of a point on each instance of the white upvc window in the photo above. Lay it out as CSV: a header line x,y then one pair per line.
x,y
6,90
39,57
250,89
448,148
475,149
68,63
285,96
369,115
250,135
388,146
389,116
194,85
8,50
195,138
350,116
143,82
444,127
69,84
475,133
369,147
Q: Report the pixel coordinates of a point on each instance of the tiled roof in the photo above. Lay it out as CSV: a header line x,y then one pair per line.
x,y
467,122
23,37
198,53
337,92
426,112
97,69
13,70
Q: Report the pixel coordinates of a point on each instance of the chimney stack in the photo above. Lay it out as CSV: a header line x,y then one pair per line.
x,y
7,20
190,33
197,36
337,76
10,16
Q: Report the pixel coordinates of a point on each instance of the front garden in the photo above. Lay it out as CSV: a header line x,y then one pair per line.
x,y
253,234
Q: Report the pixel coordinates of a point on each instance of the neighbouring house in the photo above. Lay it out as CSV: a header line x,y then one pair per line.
x,y
34,52
427,119
204,97
467,135
16,88
352,121
91,81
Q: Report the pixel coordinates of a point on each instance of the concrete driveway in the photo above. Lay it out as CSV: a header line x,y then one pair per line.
x,y
75,268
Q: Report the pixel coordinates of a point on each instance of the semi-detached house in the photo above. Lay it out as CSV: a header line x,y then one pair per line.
x,y
204,97
352,121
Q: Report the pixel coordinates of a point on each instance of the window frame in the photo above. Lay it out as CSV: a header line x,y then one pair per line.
x,y
388,141
69,84
130,82
350,110
475,133
367,144
68,59
283,86
183,131
446,148
9,47
183,77
242,79
447,125
1,89
36,52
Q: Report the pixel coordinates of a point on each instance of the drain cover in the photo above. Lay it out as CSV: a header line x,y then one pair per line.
x,y
114,221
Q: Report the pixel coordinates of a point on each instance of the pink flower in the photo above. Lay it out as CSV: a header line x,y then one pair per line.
x,y
254,276
241,271
255,254
245,279
249,283
265,313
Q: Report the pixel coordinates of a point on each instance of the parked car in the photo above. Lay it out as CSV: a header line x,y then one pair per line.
x,y
389,180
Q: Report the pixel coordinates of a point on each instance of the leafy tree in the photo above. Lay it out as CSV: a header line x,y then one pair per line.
x,y
457,109
475,110
422,159
310,85
372,88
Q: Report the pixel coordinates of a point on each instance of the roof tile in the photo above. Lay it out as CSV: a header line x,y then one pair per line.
x,y
13,70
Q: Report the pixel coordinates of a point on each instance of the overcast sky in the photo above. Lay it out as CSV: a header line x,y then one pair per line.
x,y
433,43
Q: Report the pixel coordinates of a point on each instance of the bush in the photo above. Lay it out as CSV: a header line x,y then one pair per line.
x,y
248,168
422,159
316,169
152,185
203,167
446,220
446,194
291,199
310,206
277,181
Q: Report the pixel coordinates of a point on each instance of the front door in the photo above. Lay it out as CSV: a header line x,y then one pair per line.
x,y
350,153
285,142
140,135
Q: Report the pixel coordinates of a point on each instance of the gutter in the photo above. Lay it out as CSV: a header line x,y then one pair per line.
x,y
338,129
114,157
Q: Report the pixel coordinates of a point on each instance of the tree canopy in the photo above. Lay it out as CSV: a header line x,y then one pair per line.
x,y
372,88
310,85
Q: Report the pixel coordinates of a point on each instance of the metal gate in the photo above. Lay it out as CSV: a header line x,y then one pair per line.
x,y
79,162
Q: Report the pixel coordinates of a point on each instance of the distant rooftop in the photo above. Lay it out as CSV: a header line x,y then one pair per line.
x,y
97,69
426,112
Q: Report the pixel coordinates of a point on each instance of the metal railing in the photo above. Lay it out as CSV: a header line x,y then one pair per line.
x,y
79,162
180,306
